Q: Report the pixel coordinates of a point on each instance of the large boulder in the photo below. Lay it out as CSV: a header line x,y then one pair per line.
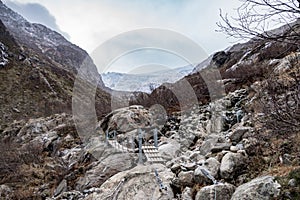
x,y
170,149
137,183
126,119
218,191
212,166
211,142
262,188
232,164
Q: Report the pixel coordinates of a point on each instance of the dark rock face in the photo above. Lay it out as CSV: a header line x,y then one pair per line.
x,y
6,36
220,58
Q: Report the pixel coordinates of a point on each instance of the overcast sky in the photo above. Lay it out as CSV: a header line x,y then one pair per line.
x,y
89,23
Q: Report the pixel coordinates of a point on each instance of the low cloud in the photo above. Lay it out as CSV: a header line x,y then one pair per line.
x,y
36,13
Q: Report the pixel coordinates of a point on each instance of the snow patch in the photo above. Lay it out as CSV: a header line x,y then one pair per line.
x,y
246,60
47,83
3,55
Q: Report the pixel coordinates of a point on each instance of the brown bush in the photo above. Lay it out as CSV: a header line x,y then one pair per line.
x,y
13,156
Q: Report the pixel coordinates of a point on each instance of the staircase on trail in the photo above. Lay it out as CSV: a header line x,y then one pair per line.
x,y
150,151
152,154
121,148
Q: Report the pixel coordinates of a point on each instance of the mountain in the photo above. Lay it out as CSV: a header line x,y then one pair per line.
x,y
143,82
38,68
43,40
242,142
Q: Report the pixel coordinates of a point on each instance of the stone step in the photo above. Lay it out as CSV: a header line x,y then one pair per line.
x,y
152,154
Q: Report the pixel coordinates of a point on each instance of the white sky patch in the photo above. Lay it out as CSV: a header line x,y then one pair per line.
x,y
91,22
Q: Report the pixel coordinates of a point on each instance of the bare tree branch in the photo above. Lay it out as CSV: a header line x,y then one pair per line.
x,y
255,18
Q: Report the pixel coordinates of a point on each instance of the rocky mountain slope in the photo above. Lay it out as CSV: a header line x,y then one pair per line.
x,y
43,40
38,68
239,161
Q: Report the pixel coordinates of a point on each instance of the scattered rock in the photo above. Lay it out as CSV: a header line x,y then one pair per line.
x,y
170,150
16,110
187,194
196,156
21,57
220,147
238,133
189,166
176,168
209,143
292,183
220,57
70,195
5,190
62,187
234,149
250,145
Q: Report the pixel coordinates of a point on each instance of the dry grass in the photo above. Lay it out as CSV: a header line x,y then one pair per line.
x,y
280,171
